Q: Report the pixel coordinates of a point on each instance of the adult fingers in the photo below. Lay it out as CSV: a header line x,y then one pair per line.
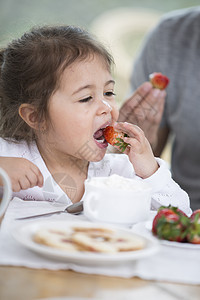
x,y
152,105
137,97
154,114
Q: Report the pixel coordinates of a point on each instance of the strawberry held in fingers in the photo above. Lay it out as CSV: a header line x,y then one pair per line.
x,y
170,224
115,138
159,81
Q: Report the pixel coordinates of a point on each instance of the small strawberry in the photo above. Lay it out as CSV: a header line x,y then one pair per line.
x,y
159,81
170,224
115,138
193,235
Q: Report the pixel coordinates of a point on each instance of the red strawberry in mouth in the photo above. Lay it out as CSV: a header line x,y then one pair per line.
x,y
115,138
159,81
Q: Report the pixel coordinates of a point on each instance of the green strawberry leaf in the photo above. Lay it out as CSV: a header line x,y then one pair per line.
x,y
122,145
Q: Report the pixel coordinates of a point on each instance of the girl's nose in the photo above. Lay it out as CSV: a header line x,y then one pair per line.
x,y
106,108
107,105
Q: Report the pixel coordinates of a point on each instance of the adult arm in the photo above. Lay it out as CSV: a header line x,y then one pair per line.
x,y
145,108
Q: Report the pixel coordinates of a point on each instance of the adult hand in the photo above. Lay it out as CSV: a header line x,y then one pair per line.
x,y
145,109
22,172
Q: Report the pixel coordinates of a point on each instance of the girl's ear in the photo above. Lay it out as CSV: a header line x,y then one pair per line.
x,y
29,114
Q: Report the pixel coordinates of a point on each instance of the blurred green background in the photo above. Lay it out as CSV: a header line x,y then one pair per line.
x,y
120,24
17,15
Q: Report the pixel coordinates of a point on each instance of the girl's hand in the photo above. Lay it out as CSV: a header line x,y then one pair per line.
x,y
139,150
22,172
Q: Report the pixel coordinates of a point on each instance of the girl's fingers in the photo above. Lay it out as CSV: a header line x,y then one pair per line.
x,y
133,144
133,131
38,175
24,183
32,178
29,180
16,187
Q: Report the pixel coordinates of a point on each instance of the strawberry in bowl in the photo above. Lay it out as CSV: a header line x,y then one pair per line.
x,y
158,80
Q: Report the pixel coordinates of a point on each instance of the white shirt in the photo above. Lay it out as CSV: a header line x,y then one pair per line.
x,y
164,190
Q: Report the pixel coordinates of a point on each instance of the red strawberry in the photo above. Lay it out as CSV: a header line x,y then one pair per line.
x,y
193,235
194,215
159,81
170,224
115,138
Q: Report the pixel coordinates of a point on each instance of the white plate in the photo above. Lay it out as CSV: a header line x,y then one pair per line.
x,y
145,228
24,235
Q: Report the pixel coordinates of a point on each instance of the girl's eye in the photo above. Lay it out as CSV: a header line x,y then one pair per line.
x,y
109,94
85,99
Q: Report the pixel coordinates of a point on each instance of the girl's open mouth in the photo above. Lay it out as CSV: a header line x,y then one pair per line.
x,y
100,139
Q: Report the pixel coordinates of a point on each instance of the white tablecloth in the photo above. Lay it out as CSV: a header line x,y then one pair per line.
x,y
172,264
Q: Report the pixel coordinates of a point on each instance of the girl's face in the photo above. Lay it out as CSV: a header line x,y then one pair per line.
x,y
82,106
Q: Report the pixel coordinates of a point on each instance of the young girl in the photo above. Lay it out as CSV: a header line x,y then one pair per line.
x,y
57,96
